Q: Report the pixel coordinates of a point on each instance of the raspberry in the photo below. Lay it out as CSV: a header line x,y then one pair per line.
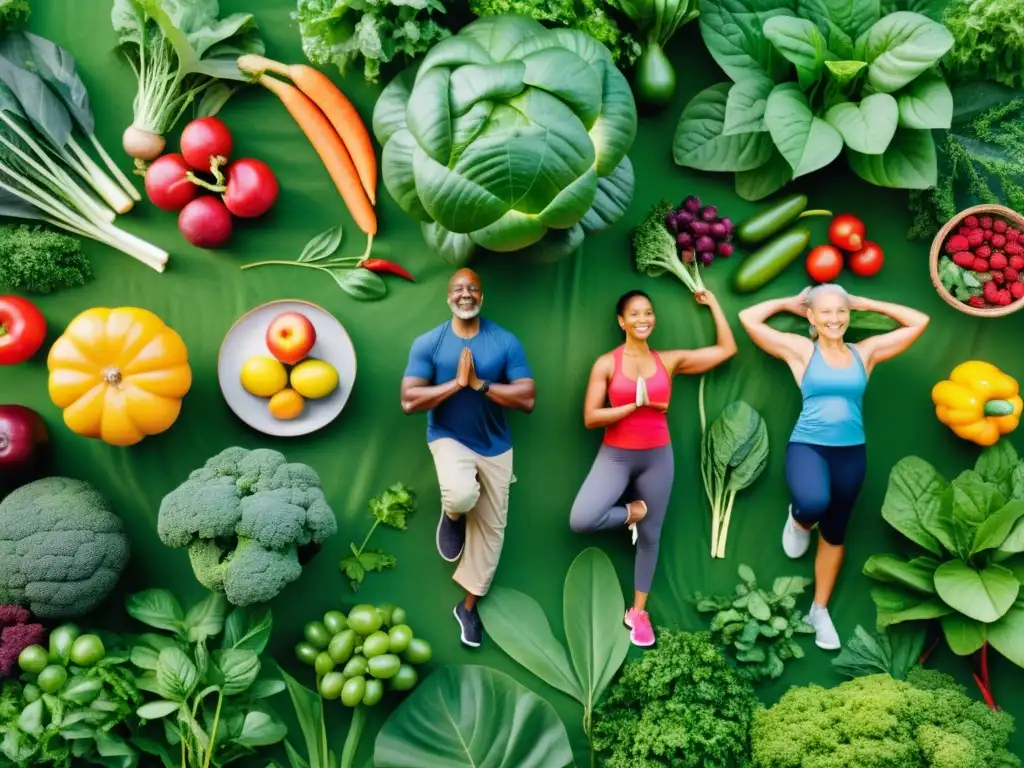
x,y
997,277
982,251
1012,235
1014,248
971,221
977,301
985,222
957,243
975,238
1011,274
999,226
990,290
964,230
998,261
998,241
1004,297
1017,262
980,265
987,235
964,259
1017,290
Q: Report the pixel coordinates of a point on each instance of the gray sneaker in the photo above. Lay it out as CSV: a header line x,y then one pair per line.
x,y
795,540
825,635
451,537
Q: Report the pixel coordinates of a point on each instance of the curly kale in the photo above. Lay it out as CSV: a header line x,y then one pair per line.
x,y
989,41
247,518
680,704
880,722
38,260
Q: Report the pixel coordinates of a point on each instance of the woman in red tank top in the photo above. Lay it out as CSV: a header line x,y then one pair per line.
x,y
628,395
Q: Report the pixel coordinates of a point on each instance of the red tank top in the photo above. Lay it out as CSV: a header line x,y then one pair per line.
x,y
646,427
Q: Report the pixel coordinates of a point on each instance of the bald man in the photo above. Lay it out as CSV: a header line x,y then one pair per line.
x,y
465,373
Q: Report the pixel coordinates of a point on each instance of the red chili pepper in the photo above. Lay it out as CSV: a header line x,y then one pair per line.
x,y
386,267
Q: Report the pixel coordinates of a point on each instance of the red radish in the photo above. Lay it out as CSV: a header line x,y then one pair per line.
x,y
167,184
205,222
250,189
847,232
206,143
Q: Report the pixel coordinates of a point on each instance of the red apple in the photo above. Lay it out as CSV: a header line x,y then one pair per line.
x,y
24,447
290,337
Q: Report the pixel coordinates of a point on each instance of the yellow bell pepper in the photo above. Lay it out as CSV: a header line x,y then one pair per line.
x,y
978,402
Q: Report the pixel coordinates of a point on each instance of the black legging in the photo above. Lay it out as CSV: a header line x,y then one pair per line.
x,y
824,482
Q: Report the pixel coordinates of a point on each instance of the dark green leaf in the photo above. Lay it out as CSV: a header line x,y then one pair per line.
x,y
997,463
260,729
353,570
994,531
1007,634
758,608
913,502
239,668
490,719
206,618
917,574
361,284
309,712
176,675
322,246
157,608
55,66
248,629
964,635
43,109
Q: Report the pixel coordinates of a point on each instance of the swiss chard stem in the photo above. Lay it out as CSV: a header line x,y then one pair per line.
x,y
119,175
355,732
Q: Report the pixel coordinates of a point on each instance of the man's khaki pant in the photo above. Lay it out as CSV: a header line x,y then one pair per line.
x,y
477,487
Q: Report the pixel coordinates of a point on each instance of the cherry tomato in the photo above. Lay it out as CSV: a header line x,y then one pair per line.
x,y
250,188
22,330
205,222
205,139
166,185
847,232
824,263
867,261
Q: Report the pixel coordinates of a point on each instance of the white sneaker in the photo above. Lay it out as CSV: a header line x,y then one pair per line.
x,y
795,540
825,635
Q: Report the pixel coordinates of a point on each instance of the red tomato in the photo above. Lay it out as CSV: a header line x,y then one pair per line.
x,y
867,261
824,263
22,330
250,188
847,232
205,139
166,184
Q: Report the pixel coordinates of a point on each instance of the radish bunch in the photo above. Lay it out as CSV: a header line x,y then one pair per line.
x,y
244,188
700,232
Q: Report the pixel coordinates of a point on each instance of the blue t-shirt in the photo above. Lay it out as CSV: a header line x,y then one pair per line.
x,y
468,416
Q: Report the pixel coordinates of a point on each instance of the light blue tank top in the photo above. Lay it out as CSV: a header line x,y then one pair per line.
x,y
833,400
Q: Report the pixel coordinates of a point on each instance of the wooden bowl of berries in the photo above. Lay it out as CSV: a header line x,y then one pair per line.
x,y
977,261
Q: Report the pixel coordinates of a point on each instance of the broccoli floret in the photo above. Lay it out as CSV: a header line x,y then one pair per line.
x,y
248,517
655,252
62,548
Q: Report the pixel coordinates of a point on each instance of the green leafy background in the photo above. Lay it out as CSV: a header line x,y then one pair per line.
x,y
563,313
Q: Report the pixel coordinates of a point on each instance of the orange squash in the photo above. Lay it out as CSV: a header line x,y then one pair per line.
x,y
119,374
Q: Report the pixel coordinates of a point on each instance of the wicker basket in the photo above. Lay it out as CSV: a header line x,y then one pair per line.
x,y
937,252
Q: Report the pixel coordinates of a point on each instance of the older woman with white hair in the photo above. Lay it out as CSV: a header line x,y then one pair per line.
x,y
826,458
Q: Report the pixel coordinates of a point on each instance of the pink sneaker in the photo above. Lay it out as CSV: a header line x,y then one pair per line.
x,y
639,622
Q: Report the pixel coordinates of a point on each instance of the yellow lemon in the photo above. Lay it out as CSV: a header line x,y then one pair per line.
x,y
314,379
263,376
286,404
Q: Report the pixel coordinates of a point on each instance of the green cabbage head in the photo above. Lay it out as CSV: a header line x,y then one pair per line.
x,y
509,135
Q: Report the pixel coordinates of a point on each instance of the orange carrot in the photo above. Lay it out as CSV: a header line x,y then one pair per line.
x,y
330,147
335,105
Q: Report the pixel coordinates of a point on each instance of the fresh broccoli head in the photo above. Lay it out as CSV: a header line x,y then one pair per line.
x,y
249,520
62,548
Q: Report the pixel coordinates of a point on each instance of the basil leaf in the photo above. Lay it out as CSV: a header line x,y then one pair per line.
x,y
239,668
157,608
322,246
361,284
248,629
176,675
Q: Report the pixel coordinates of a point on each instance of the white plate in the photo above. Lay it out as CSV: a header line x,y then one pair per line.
x,y
248,338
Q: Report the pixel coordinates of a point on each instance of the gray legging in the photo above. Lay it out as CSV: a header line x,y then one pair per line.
x,y
599,506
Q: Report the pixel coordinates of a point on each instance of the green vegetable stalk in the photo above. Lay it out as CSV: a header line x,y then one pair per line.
x,y
392,508
657,21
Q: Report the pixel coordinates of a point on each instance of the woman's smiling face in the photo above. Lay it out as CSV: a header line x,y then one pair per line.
x,y
637,318
829,313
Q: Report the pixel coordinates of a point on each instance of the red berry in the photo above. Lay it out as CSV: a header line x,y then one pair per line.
x,y
998,241
999,226
985,222
1011,274
977,301
1004,297
986,235
975,238
1012,234
980,265
971,221
1014,248
982,251
964,259
990,289
1017,290
957,243
997,277
998,261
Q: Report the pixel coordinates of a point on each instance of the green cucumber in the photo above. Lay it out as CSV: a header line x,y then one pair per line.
x,y
770,260
774,219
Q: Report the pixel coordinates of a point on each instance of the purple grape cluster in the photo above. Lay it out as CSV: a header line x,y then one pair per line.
x,y
700,232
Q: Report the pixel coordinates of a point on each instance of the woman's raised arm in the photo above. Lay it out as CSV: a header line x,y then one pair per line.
x,y
885,346
785,346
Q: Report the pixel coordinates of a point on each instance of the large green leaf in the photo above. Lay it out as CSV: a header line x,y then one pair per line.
x,y
996,464
700,143
909,162
926,103
1013,543
744,105
964,635
517,624
389,111
866,127
806,141
917,574
901,46
896,605
614,194
913,501
841,21
992,533
472,716
1007,634
801,43
455,248
984,595
593,607
764,180
398,175
733,31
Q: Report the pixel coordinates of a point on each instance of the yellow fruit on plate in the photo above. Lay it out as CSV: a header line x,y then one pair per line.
x,y
314,379
263,376
286,404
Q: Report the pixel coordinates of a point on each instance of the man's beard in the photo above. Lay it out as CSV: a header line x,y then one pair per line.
x,y
464,314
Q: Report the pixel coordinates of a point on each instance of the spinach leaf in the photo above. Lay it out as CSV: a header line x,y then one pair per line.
x,y
744,106
901,46
700,142
806,141
926,103
869,126
842,21
764,180
909,162
733,31
895,651
802,43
